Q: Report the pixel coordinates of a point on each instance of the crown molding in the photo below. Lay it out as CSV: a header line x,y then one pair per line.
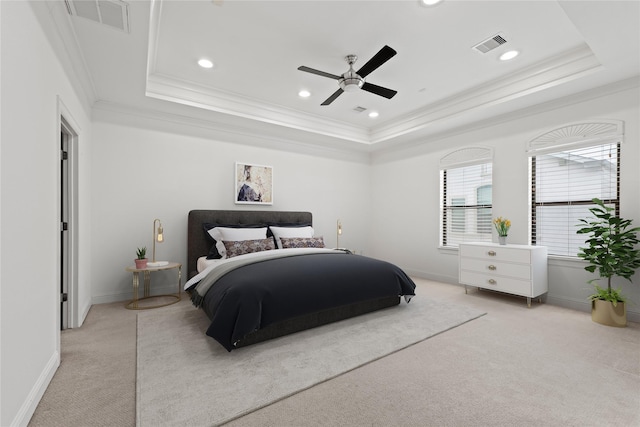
x,y
560,69
174,90
388,150
182,123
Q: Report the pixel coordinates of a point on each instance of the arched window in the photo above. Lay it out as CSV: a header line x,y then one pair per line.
x,y
466,196
570,166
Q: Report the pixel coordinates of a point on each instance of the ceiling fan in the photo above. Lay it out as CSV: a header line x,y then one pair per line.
x,y
352,80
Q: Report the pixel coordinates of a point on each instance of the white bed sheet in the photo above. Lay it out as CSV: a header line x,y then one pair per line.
x,y
203,263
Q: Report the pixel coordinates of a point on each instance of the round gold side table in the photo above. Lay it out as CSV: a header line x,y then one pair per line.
x,y
133,304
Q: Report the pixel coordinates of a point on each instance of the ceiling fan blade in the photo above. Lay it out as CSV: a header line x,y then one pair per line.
x,y
318,72
379,90
333,97
383,55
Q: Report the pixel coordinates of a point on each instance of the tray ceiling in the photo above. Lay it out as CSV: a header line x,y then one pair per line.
x,y
443,79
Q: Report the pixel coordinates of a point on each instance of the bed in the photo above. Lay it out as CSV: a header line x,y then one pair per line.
x,y
264,294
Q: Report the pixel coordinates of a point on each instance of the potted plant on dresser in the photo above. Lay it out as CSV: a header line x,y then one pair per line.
x,y
611,250
141,260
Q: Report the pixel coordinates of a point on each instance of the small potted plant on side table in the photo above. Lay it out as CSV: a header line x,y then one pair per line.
x,y
611,250
141,261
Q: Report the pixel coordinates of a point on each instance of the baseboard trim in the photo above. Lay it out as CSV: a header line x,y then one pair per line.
x,y
83,314
431,276
579,305
585,306
29,406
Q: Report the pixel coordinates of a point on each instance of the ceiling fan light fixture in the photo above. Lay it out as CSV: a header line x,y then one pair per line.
x,y
352,83
352,80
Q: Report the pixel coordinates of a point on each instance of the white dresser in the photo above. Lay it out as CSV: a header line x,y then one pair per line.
x,y
514,269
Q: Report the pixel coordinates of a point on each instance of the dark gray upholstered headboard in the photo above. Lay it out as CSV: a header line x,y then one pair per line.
x,y
198,244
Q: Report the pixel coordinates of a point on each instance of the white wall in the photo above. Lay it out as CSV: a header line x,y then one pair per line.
x,y
182,169
141,172
32,81
406,192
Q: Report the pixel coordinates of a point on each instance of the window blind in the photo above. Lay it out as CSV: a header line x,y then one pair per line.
x,y
563,183
466,201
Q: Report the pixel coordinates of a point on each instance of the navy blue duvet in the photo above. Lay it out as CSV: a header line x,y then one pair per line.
x,y
268,291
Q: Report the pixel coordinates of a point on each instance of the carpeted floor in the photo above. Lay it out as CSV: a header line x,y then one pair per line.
x,y
514,366
195,381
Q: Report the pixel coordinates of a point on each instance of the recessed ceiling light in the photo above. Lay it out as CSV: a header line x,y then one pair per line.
x,y
373,114
304,94
510,54
430,2
205,63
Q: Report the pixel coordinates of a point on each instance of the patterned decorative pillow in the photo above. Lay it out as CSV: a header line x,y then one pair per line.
x,y
280,232
302,242
241,247
214,252
220,234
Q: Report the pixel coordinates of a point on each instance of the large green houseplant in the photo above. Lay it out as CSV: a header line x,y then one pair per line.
x,y
611,251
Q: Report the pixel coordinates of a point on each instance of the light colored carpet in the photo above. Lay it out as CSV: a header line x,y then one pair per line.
x,y
186,378
544,366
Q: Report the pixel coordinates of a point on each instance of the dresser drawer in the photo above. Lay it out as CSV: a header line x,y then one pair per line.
x,y
498,253
494,267
498,283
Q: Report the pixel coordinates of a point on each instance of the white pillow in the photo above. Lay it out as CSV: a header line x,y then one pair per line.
x,y
220,234
203,263
302,232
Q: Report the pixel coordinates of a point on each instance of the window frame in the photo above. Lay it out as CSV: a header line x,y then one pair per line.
x,y
582,135
464,157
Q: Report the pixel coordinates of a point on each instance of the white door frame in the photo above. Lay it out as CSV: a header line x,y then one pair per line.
x,y
67,125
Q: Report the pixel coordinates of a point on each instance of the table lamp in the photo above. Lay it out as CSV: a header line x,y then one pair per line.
x,y
158,236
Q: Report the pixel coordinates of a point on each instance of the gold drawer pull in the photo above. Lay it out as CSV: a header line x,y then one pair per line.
x,y
492,282
492,267
492,253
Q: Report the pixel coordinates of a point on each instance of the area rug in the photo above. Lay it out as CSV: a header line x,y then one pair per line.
x,y
186,378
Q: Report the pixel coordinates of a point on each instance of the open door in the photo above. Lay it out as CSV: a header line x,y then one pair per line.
x,y
64,227
68,216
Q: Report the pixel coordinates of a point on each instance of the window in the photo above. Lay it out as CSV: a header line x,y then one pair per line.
x,y
466,183
564,179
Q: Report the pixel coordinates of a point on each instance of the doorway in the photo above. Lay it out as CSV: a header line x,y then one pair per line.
x,y
64,228
68,200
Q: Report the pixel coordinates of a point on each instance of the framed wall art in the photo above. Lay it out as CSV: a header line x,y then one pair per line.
x,y
253,184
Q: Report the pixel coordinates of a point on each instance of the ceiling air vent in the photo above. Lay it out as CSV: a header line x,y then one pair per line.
x,y
359,109
490,43
113,13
